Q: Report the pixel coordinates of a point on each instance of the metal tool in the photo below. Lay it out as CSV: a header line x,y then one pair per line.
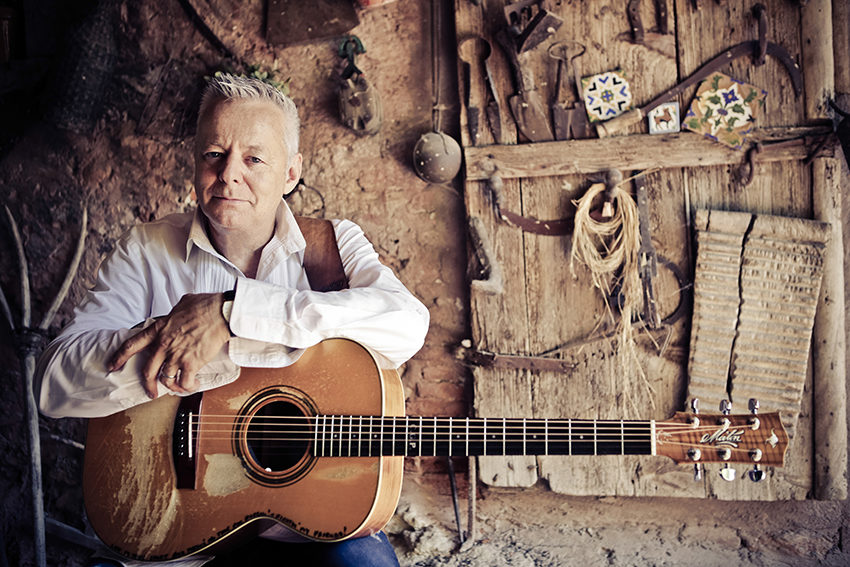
x,y
530,23
756,48
568,118
475,54
526,105
647,258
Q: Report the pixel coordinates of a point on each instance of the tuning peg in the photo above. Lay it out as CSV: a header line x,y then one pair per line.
x,y
697,472
756,474
725,407
727,473
695,409
754,409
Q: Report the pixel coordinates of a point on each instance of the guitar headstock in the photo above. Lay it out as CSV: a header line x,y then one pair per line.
x,y
704,438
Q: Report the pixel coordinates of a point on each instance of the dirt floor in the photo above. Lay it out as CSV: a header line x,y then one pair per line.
x,y
94,114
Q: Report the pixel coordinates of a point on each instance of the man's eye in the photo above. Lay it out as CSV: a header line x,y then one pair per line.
x,y
254,159
213,155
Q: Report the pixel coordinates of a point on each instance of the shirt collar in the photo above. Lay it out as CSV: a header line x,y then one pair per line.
x,y
287,235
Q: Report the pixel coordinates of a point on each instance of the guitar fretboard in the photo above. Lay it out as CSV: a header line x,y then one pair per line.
x,y
363,436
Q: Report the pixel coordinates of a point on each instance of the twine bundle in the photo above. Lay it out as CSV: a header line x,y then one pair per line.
x,y
610,248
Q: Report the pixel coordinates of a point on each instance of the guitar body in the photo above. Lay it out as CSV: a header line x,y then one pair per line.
x,y
130,481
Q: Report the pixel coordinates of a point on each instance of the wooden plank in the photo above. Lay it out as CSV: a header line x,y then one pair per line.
x,y
498,307
780,188
685,149
829,345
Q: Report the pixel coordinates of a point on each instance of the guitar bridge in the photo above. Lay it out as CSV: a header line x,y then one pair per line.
x,y
184,440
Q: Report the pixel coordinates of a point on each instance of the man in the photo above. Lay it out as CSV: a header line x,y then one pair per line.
x,y
225,287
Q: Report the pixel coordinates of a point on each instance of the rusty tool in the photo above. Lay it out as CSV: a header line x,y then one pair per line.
x,y
475,54
647,258
526,105
530,23
756,48
568,118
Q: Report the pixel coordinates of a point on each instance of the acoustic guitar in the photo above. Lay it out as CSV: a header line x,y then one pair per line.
x,y
318,447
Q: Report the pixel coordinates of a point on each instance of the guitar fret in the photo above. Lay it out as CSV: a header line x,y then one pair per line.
x,y
622,438
450,437
484,449
381,439
435,436
569,437
371,432
190,436
324,435
546,436
523,436
340,436
467,437
392,443
504,437
359,435
594,437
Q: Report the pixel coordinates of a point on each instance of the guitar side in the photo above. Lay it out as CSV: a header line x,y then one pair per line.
x,y
129,482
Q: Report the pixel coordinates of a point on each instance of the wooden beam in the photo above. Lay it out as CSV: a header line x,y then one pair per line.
x,y
684,149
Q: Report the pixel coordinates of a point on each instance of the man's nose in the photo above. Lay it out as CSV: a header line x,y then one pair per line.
x,y
231,170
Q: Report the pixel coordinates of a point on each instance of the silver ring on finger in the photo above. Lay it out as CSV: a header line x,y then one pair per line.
x,y
167,378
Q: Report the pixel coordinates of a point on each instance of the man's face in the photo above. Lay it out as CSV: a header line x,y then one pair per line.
x,y
242,166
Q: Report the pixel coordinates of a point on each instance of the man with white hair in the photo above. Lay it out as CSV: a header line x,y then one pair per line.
x,y
183,302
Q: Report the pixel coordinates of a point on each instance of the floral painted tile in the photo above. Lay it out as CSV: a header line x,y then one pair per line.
x,y
606,95
725,109
664,118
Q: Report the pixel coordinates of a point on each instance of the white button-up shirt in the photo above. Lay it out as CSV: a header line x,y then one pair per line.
x,y
275,316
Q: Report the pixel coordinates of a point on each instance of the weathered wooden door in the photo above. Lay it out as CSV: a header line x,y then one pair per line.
x,y
539,321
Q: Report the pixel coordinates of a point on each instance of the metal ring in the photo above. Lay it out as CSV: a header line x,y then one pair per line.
x,y
167,377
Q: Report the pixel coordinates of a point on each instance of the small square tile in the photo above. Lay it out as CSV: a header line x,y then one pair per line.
x,y
725,109
664,118
606,95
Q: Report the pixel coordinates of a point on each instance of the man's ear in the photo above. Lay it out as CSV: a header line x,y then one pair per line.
x,y
293,173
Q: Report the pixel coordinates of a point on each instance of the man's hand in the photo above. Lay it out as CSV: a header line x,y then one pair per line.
x,y
180,343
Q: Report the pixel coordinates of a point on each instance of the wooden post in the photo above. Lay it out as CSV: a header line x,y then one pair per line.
x,y
841,45
829,336
829,342
818,62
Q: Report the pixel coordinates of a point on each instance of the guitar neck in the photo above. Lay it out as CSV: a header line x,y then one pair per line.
x,y
364,436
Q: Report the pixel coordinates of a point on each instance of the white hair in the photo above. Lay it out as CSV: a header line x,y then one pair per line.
x,y
224,86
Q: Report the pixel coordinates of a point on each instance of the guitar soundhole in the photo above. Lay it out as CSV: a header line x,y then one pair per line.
x,y
273,436
278,437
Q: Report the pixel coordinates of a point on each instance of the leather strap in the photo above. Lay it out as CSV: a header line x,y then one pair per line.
x,y
321,257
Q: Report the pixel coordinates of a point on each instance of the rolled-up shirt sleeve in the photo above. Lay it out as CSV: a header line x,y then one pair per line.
x,y
376,311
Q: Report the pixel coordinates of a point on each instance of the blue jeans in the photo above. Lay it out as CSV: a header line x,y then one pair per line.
x,y
371,551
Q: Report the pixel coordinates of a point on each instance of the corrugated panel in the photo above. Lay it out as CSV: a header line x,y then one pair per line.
x,y
755,294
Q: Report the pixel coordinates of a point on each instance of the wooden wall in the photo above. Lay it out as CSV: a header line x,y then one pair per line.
x,y
532,304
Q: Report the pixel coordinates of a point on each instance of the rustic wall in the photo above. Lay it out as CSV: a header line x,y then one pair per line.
x,y
130,163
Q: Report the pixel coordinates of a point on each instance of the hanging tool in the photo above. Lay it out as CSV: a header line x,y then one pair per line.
x,y
530,23
568,118
359,103
647,258
475,54
756,48
659,41
526,105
